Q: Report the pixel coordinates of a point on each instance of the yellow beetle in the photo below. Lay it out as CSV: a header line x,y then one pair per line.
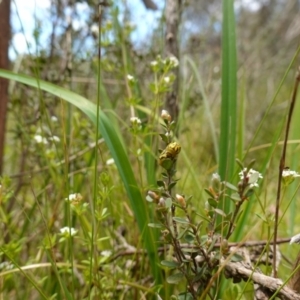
x,y
170,152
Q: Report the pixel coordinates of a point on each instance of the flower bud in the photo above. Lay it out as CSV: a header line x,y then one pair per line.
x,y
162,202
165,115
216,181
181,200
153,196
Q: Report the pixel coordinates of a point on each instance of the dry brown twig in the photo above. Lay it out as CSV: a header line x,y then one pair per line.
x,y
238,270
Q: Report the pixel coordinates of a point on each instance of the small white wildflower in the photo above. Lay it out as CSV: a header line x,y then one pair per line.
x,y
106,253
154,63
288,173
135,120
68,231
76,197
295,239
252,177
216,176
130,78
110,161
288,176
54,138
173,61
167,79
54,119
40,140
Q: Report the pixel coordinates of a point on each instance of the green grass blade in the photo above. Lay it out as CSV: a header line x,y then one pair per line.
x,y
137,201
228,120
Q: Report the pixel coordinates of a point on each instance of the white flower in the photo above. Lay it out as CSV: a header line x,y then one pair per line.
x,y
288,176
110,161
216,176
130,78
135,120
54,138
290,173
76,197
106,253
154,63
167,79
54,119
40,140
173,61
68,231
252,176
295,239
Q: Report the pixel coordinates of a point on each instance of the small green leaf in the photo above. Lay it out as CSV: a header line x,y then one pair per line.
x,y
220,212
199,226
236,257
235,197
168,203
175,278
164,138
228,217
182,233
181,220
190,250
189,238
167,163
262,218
239,163
170,264
185,296
209,193
156,225
231,186
172,184
249,193
160,183
212,202
251,164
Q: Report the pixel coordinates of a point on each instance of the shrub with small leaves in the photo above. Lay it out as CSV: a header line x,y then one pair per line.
x,y
200,245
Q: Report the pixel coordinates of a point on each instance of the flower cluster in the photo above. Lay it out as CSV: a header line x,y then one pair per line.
x,y
288,176
68,231
251,177
74,198
164,64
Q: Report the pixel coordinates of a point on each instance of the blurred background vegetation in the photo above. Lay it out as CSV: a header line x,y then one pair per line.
x,y
50,146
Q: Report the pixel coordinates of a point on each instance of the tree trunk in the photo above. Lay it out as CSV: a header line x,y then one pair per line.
x,y
4,64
